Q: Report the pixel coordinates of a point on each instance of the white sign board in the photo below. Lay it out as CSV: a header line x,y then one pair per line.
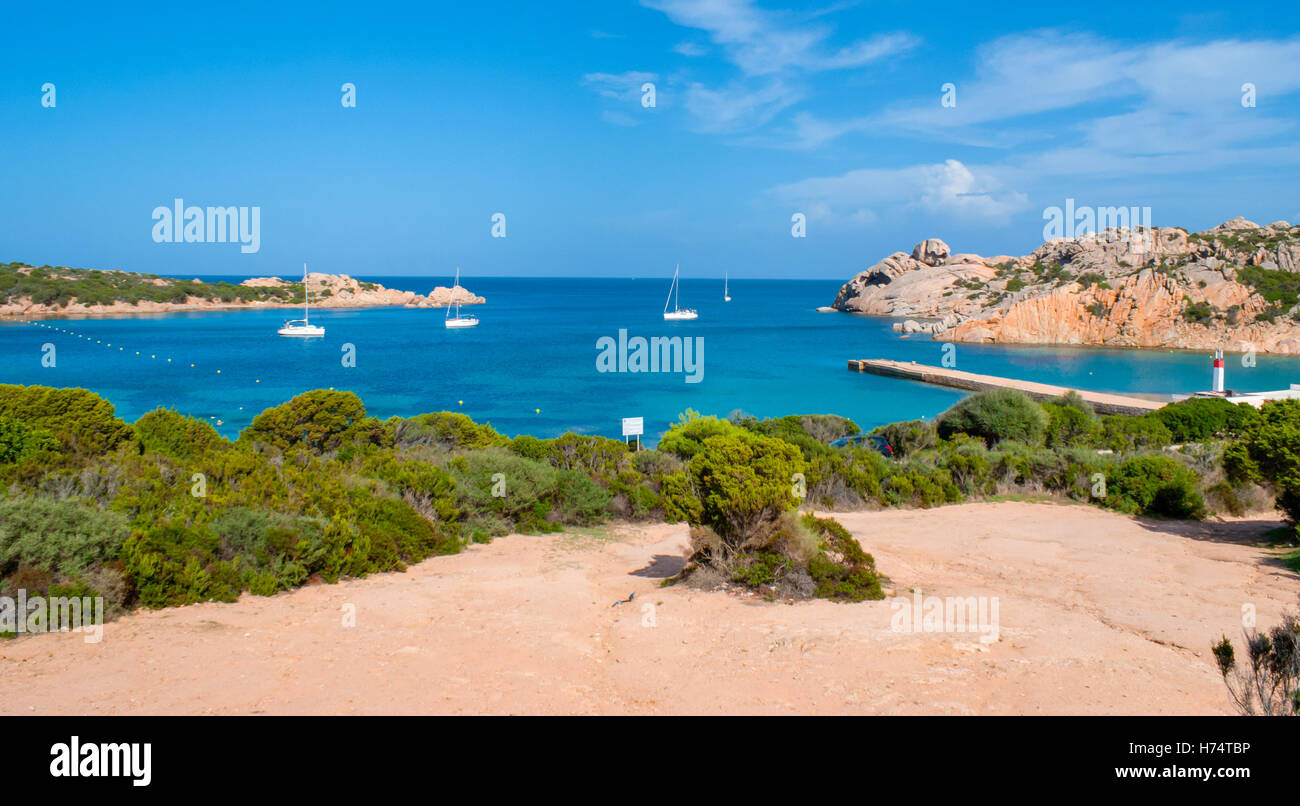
x,y
633,426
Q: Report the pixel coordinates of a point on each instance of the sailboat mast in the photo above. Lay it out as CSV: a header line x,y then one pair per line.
x,y
454,297
306,296
677,287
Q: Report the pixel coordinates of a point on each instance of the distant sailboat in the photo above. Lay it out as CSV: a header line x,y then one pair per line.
x,y
458,320
677,312
726,294
302,327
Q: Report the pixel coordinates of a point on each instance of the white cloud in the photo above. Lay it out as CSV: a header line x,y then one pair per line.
x,y
737,108
1026,74
619,86
771,49
1070,104
948,188
761,43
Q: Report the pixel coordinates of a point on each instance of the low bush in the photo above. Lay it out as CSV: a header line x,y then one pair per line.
x,y
18,441
1155,485
167,432
686,437
995,415
82,421
910,437
317,421
1201,418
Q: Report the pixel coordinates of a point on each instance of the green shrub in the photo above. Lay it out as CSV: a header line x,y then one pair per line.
x,y
597,456
680,503
909,437
531,447
18,440
579,499
995,415
686,437
1155,485
1069,426
845,479
653,464
1074,400
742,481
398,535
919,484
1269,452
168,432
430,489
841,570
62,536
1201,418
810,433
318,421
1123,433
82,421
450,430
534,496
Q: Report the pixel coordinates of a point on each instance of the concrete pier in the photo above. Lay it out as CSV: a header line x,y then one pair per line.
x,y
1102,402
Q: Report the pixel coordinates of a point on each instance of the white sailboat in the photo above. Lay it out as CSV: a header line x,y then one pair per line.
x,y
726,294
677,312
458,320
302,327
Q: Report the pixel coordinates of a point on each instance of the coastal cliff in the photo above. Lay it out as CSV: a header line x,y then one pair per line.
x,y
28,290
1235,286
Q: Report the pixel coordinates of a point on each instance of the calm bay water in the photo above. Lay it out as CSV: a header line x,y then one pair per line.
x,y
768,353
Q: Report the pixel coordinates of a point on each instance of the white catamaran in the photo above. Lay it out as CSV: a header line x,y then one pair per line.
x,y
726,294
458,320
677,312
302,327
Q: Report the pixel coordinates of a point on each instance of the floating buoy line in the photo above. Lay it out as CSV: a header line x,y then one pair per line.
x,y
123,349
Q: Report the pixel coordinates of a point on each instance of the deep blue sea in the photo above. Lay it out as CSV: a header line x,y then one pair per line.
x,y
768,353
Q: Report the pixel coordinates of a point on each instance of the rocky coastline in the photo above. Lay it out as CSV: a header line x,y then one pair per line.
x,y
1232,287
327,291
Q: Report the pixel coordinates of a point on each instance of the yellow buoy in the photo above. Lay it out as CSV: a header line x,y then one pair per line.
x,y
539,411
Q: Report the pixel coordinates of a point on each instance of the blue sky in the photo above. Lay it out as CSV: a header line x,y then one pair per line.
x,y
535,110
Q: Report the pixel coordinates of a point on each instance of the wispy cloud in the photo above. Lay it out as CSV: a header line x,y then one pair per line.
x,y
691,49
623,94
737,107
947,188
762,42
1169,96
774,51
624,86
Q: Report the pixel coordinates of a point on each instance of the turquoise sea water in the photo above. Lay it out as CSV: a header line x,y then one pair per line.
x,y
768,353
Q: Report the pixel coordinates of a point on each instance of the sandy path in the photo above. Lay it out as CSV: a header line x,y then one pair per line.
x,y
1099,614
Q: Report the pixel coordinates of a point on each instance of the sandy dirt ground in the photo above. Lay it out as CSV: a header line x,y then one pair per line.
x,y
1097,614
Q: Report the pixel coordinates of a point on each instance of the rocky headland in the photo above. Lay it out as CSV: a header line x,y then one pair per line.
x,y
27,291
1236,286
